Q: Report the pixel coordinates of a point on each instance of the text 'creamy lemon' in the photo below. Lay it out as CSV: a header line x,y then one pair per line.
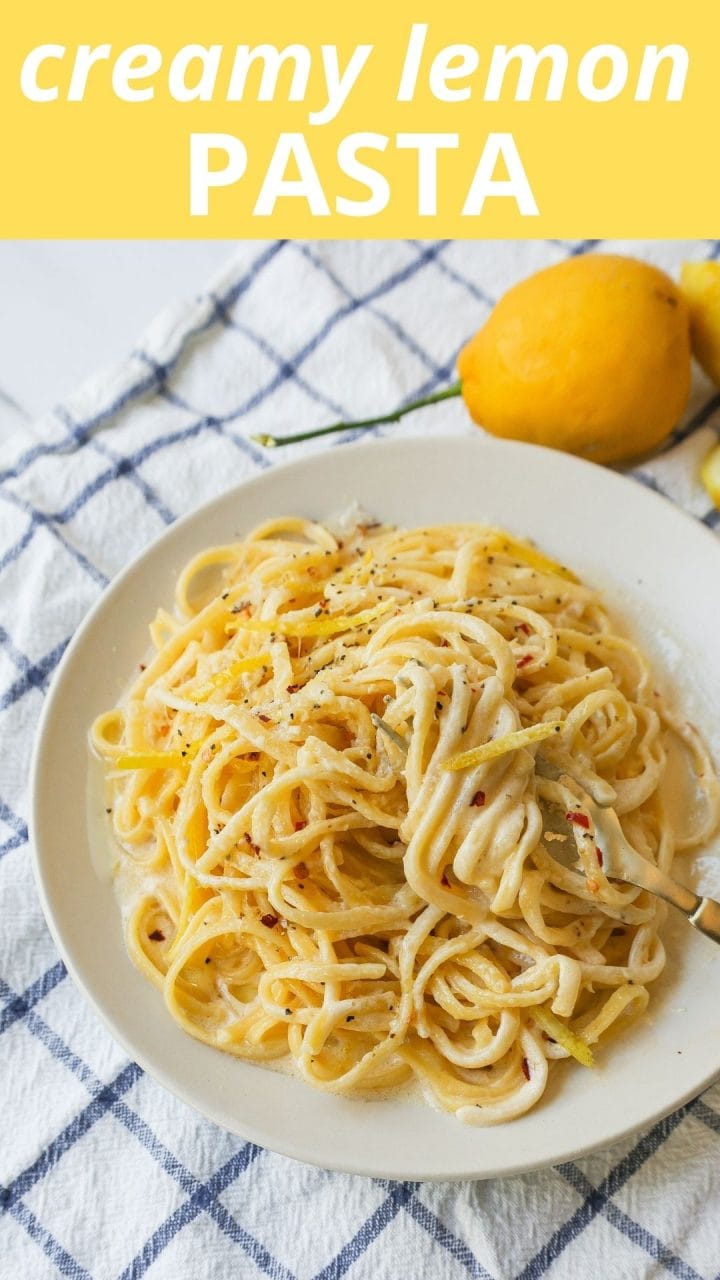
x,y
591,356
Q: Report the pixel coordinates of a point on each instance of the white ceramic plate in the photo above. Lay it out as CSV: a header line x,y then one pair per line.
x,y
659,568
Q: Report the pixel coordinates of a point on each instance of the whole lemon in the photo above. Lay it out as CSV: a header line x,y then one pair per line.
x,y
700,286
591,356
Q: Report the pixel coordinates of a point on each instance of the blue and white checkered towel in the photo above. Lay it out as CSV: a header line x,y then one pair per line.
x,y
105,1175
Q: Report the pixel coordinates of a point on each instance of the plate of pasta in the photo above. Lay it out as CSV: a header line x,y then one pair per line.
x,y
311,844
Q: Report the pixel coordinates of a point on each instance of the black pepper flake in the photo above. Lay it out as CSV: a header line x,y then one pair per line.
x,y
207,959
350,1017
108,810
157,935
288,1012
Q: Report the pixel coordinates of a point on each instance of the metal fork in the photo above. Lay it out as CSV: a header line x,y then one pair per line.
x,y
622,862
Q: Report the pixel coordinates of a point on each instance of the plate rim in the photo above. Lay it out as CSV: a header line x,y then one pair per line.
x,y
113,1024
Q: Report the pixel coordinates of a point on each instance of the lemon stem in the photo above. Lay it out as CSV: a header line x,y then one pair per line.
x,y
273,442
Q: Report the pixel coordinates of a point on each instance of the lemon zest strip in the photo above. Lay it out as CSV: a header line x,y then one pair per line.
x,y
328,626
535,559
500,746
561,1033
201,692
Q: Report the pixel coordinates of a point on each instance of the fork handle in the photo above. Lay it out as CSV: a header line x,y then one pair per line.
x,y
706,918
703,913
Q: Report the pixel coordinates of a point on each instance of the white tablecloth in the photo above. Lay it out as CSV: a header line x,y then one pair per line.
x,y
105,1175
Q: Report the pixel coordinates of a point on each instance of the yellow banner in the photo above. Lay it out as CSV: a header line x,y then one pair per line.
x,y
379,119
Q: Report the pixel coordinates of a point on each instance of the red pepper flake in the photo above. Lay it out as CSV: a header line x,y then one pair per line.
x,y
478,800
300,826
523,626
293,688
157,935
269,921
264,719
250,755
300,871
599,855
255,848
522,662
580,819
444,879
525,1068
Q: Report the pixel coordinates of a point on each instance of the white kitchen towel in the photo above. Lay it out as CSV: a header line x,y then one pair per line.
x,y
104,1174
